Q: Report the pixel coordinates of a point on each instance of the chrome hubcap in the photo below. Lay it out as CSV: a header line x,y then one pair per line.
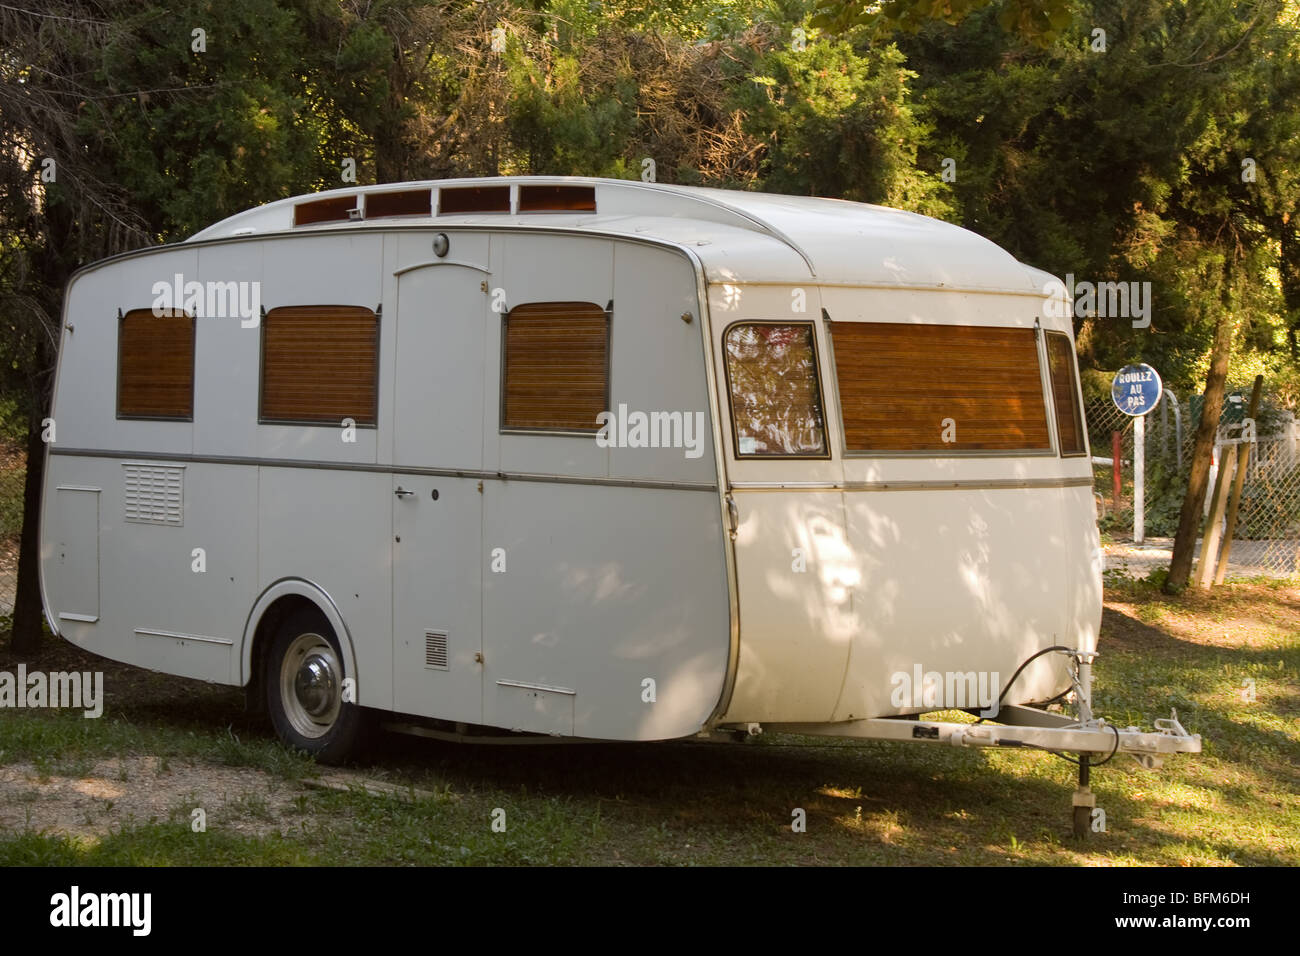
x,y
315,685
310,685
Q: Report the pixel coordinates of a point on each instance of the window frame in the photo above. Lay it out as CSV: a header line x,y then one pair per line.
x,y
1048,452
502,427
1076,394
194,338
378,314
827,453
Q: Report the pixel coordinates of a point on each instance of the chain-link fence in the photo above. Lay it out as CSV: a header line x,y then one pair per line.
x,y
13,473
1267,537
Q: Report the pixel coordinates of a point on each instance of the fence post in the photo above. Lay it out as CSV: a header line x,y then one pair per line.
x,y
1178,427
1114,471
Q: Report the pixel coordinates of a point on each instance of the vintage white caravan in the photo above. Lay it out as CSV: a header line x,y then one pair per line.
x,y
584,458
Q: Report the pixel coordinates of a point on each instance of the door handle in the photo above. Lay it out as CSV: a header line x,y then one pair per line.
x,y
402,492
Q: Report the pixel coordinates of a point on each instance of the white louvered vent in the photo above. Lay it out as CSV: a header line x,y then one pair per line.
x,y
435,650
154,494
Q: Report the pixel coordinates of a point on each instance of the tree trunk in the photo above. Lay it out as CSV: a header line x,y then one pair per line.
x,y
28,609
1189,521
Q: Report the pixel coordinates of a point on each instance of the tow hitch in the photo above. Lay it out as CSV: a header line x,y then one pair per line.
x,y
1083,734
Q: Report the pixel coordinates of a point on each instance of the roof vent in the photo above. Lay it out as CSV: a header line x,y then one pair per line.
x,y
463,199
557,198
404,202
333,209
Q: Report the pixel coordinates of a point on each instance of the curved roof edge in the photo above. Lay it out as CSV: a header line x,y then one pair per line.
x,y
834,240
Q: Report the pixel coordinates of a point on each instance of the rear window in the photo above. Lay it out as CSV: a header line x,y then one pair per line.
x,y
939,388
776,401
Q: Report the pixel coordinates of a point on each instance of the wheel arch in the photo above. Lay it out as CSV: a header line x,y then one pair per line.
x,y
280,599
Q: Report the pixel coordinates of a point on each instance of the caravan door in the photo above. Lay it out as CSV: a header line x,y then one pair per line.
x,y
437,519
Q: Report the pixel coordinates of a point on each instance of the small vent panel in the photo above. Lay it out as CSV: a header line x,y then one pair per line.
x,y
435,650
154,494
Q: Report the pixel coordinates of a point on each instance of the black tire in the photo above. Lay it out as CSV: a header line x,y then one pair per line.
x,y
304,677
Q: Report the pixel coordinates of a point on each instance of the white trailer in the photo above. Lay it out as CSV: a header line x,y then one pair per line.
x,y
587,459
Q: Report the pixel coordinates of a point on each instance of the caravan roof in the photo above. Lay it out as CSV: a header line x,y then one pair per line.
x,y
738,236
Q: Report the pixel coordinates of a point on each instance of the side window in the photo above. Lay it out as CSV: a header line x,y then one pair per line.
x,y
776,400
1065,393
320,365
905,387
155,365
554,367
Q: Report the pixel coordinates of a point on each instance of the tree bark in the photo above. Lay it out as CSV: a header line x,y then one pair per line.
x,y
28,608
1189,521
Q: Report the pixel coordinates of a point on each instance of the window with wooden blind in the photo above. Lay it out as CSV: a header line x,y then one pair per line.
x,y
320,365
940,388
776,400
1065,394
155,365
555,367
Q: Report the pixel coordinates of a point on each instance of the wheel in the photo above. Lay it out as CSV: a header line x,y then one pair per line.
x,y
304,690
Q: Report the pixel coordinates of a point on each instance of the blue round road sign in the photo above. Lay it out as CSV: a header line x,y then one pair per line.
x,y
1136,389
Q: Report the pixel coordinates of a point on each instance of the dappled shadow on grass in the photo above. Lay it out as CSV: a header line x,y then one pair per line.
x,y
865,802
1153,671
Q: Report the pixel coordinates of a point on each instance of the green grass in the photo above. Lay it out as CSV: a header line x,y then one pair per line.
x,y
686,803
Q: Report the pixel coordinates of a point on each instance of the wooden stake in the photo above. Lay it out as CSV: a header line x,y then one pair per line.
x,y
1243,458
1203,577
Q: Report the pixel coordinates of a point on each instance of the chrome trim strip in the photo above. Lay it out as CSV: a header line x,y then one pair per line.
x,y
855,284
199,638
724,493
441,262
544,687
88,619
959,485
387,469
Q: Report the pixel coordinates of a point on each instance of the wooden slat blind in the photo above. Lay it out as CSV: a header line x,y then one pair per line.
x,y
898,382
556,368
1065,393
776,406
155,365
320,365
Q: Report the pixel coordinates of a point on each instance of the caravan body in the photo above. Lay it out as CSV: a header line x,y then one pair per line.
x,y
573,457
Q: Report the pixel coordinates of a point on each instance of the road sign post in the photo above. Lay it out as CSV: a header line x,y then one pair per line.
x,y
1136,391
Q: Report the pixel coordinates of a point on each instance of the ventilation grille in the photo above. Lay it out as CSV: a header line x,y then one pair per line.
x,y
435,650
154,495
